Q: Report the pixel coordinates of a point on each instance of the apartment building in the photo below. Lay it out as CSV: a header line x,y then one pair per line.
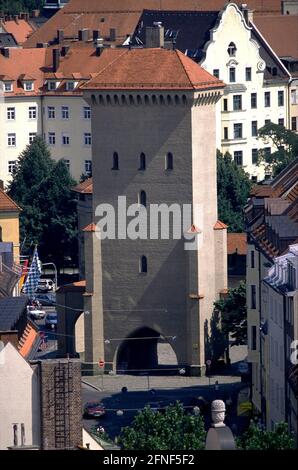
x,y
272,226
40,96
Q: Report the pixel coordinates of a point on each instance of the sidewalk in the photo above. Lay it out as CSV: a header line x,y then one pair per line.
x,y
132,382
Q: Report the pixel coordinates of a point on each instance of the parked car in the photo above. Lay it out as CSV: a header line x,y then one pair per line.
x,y
51,320
35,313
46,285
48,298
94,409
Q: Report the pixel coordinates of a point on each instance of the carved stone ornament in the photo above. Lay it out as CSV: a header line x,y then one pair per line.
x,y
218,413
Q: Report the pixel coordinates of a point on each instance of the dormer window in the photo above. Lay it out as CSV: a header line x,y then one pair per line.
x,y
70,86
8,87
28,85
232,49
52,85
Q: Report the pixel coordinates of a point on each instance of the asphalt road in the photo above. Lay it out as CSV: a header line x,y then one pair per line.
x,y
50,335
131,401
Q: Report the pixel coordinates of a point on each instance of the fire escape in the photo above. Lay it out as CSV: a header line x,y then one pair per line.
x,y
63,388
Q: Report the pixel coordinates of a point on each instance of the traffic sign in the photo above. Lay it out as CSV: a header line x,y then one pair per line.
x,y
101,364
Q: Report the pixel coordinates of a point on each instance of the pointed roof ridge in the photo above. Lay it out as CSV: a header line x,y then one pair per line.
x,y
193,229
7,204
219,225
90,228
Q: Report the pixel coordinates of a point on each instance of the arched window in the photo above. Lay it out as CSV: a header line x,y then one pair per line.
x,y
142,162
154,99
177,100
115,161
101,100
169,99
232,49
131,100
142,198
139,99
146,99
123,99
109,101
116,99
93,99
161,99
169,161
143,264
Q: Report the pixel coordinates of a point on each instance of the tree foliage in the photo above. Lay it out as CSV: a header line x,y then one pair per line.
x,y
171,430
257,438
233,187
13,7
233,312
286,144
42,188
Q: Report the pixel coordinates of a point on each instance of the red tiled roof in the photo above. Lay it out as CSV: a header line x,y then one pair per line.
x,y
237,243
90,228
27,340
151,69
124,15
86,187
281,33
20,29
7,204
220,225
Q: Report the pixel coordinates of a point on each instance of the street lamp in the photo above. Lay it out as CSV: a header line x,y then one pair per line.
x,y
56,273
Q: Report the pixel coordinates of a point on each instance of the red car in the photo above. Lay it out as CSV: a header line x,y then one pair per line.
x,y
94,410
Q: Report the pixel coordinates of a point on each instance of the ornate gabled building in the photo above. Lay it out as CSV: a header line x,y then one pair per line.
x,y
153,122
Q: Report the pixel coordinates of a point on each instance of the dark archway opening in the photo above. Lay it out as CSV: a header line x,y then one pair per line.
x,y
145,351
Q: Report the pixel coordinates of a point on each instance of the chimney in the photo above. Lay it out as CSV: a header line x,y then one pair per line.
x,y
247,14
1,184
83,35
16,18
5,52
113,34
96,34
42,45
65,50
56,59
60,36
155,36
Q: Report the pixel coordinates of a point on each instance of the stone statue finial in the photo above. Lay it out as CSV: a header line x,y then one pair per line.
x,y
218,412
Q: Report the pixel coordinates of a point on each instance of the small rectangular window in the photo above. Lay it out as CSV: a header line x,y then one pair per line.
x,y
281,98
253,100
216,73
267,99
238,157
8,87
232,75
28,86
65,139
226,133
87,112
248,74
12,164
52,138
254,156
238,131
237,102
294,96
294,123
253,297
70,86
67,163
52,86
51,112
32,136
253,338
65,112
88,167
225,104
11,114
254,128
11,140
32,112
87,138
281,122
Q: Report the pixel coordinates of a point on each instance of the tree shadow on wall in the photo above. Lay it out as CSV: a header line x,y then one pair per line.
x,y
216,342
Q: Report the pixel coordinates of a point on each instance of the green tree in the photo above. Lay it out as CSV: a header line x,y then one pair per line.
x,y
286,144
13,7
233,187
42,188
171,430
257,438
233,313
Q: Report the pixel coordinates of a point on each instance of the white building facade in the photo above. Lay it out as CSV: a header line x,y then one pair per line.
x,y
256,86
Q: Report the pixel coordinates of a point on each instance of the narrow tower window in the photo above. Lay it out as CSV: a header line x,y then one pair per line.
x,y
142,198
142,162
115,161
169,161
143,264
232,49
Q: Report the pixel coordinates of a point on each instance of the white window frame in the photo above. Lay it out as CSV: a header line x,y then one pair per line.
x,y
87,113
88,167
33,112
65,112
66,137
52,85
51,110
11,166
11,139
28,85
32,136
87,139
52,136
11,111
67,163
70,85
8,87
